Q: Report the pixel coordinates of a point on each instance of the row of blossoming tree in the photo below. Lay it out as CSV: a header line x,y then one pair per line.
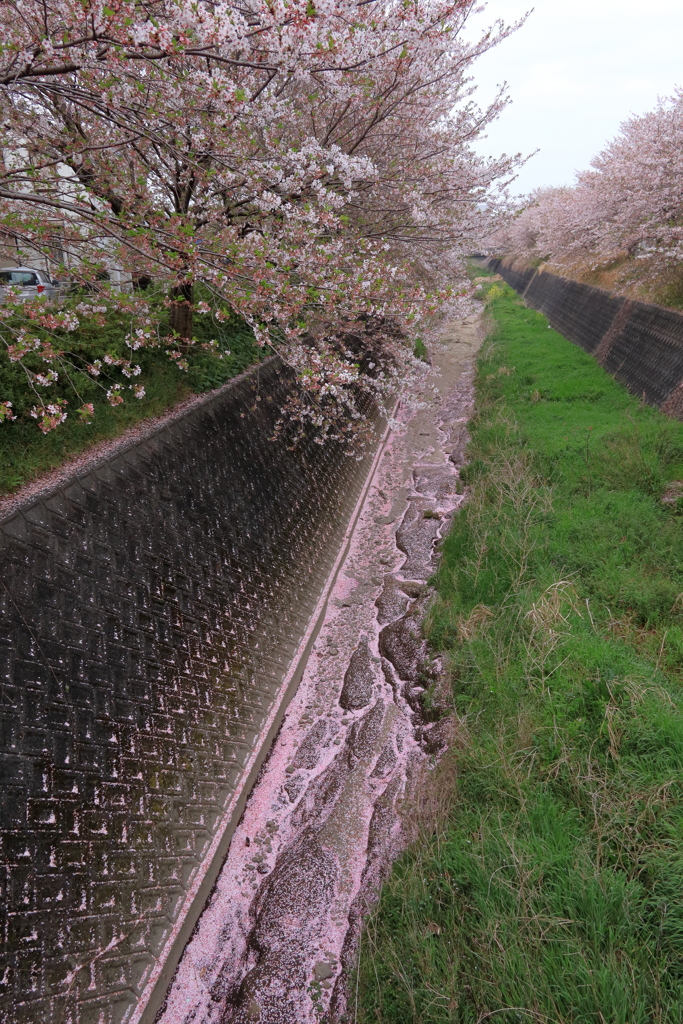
x,y
307,163
624,215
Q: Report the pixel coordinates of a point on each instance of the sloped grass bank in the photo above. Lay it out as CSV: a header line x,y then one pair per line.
x,y
546,882
25,452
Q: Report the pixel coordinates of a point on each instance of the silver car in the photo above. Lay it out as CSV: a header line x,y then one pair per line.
x,y
27,283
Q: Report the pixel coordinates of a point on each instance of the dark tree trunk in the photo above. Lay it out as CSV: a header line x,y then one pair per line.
x,y
182,297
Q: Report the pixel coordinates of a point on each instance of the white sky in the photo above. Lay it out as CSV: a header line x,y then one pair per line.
x,y
575,71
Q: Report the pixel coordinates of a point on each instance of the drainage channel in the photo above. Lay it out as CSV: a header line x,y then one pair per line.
x,y
278,935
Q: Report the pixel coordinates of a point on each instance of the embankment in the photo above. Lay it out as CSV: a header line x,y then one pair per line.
x,y
640,344
545,882
154,610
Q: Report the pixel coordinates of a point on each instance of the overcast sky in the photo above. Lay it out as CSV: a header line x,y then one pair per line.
x,y
575,71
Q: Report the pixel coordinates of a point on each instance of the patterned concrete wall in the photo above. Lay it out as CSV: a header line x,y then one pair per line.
x,y
640,344
517,276
149,609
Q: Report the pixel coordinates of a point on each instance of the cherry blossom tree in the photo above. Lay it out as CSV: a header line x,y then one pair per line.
x,y
309,161
626,211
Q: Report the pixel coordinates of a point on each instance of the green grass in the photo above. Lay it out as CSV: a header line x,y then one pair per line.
x,y
420,350
546,880
25,452
668,290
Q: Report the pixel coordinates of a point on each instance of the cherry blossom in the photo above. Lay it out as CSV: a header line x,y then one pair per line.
x,y
86,412
49,416
624,213
309,161
6,412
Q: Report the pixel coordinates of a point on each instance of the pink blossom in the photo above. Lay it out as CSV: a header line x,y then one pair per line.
x,y
6,413
114,396
46,379
49,416
86,412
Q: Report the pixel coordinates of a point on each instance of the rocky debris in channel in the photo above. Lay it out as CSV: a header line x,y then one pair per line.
x,y
392,602
401,644
279,934
416,536
308,753
358,680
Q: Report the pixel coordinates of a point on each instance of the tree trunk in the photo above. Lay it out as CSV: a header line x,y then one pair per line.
x,y
182,296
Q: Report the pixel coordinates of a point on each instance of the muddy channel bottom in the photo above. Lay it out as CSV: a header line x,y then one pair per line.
x,y
278,936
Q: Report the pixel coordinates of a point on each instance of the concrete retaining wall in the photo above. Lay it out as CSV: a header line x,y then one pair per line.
x,y
151,611
640,344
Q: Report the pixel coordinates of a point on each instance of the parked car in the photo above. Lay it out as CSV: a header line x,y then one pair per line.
x,y
27,283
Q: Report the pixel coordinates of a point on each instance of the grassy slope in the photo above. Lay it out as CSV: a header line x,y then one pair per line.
x,y
547,880
25,453
630,277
